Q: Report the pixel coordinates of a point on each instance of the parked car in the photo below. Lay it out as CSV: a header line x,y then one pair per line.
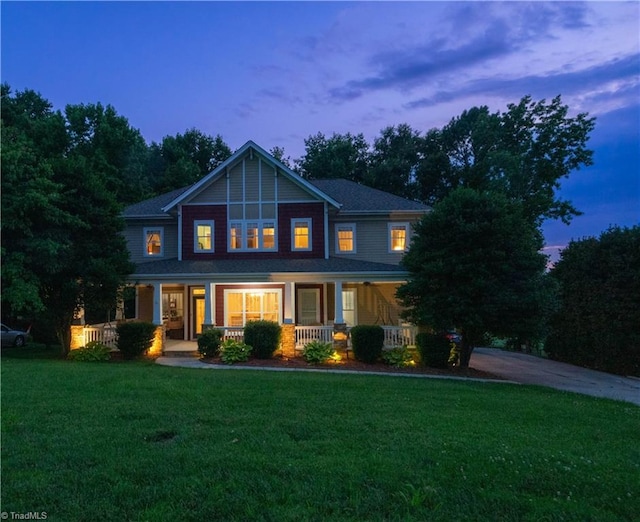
x,y
11,337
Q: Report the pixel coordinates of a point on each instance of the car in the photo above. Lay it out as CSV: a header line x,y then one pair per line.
x,y
11,337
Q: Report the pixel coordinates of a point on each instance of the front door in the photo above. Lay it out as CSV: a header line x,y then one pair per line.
x,y
198,314
308,306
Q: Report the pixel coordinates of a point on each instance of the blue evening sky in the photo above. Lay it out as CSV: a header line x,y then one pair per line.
x,y
278,72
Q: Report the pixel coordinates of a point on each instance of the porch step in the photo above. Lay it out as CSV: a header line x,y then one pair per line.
x,y
181,353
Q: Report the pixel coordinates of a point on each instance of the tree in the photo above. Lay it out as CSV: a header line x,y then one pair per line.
x,y
343,156
597,322
474,264
393,161
279,154
183,159
61,230
523,153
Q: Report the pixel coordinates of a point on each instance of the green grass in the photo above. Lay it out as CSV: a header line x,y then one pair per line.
x,y
137,441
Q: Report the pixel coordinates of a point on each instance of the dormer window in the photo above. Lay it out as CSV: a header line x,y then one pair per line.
x,y
154,242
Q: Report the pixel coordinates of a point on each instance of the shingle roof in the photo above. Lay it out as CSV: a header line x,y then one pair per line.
x,y
360,198
153,206
262,266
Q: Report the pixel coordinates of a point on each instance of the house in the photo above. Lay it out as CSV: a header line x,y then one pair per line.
x,y
254,240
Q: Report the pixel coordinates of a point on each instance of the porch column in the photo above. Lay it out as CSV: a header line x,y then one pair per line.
x,y
289,302
157,303
338,319
209,304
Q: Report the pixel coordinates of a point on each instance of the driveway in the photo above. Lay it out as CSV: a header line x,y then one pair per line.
x,y
528,369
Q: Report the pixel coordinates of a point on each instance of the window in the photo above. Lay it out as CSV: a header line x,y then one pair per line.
x,y
349,306
301,234
252,305
398,235
346,238
154,244
203,236
252,235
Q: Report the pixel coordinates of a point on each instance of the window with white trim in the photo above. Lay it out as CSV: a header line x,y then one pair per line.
x,y
346,238
241,306
154,242
252,235
301,234
203,236
398,237
349,306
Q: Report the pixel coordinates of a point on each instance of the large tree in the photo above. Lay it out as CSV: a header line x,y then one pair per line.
x,y
61,241
474,264
598,319
183,159
342,156
524,153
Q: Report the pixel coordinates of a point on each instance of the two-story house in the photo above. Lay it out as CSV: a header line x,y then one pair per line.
x,y
254,240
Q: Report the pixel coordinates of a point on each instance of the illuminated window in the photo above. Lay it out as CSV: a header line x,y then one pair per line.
x,y
252,235
349,307
346,238
235,236
252,305
398,235
203,236
154,242
301,234
268,236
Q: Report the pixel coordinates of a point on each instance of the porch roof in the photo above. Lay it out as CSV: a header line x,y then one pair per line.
x,y
268,269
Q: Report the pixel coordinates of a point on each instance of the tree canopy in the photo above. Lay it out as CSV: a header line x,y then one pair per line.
x,y
474,264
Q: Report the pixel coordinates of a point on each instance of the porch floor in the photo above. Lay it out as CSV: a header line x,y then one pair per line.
x,y
180,348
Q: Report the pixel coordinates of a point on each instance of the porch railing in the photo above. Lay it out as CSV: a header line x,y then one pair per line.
x,y
397,336
307,334
394,336
232,332
101,333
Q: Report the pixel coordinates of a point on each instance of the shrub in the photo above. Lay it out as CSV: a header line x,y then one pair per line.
x,y
434,349
232,351
135,338
367,342
263,337
399,357
317,352
94,351
209,342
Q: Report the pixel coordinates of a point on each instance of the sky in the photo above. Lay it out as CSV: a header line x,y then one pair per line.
x,y
279,72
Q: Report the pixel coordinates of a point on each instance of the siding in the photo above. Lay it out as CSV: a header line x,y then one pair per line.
x,y
290,191
134,234
217,213
216,192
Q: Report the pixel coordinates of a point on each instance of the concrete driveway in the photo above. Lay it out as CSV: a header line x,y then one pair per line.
x,y
528,369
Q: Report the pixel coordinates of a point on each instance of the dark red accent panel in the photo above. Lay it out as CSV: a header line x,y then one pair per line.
x,y
289,211
217,213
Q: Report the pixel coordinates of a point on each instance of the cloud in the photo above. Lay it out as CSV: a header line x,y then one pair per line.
x,y
617,78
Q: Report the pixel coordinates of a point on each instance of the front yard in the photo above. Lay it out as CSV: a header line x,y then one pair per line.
x,y
137,441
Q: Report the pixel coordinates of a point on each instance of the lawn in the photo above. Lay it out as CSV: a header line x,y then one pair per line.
x,y
137,441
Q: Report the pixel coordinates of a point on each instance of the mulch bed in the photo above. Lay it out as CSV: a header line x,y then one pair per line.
x,y
353,365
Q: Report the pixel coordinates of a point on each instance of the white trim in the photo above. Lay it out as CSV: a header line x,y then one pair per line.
x,y
398,224
257,290
355,305
309,223
145,239
260,224
196,243
351,226
179,232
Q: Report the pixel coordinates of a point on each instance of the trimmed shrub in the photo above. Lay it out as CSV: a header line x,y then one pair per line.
x,y
233,351
399,357
94,351
317,352
263,337
434,349
135,338
209,342
367,342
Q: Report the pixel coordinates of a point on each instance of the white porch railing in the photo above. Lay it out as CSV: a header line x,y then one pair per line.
x,y
398,336
307,334
102,333
232,332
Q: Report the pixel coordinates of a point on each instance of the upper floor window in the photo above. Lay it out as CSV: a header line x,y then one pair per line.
x,y
203,236
301,234
252,235
346,238
154,242
398,237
